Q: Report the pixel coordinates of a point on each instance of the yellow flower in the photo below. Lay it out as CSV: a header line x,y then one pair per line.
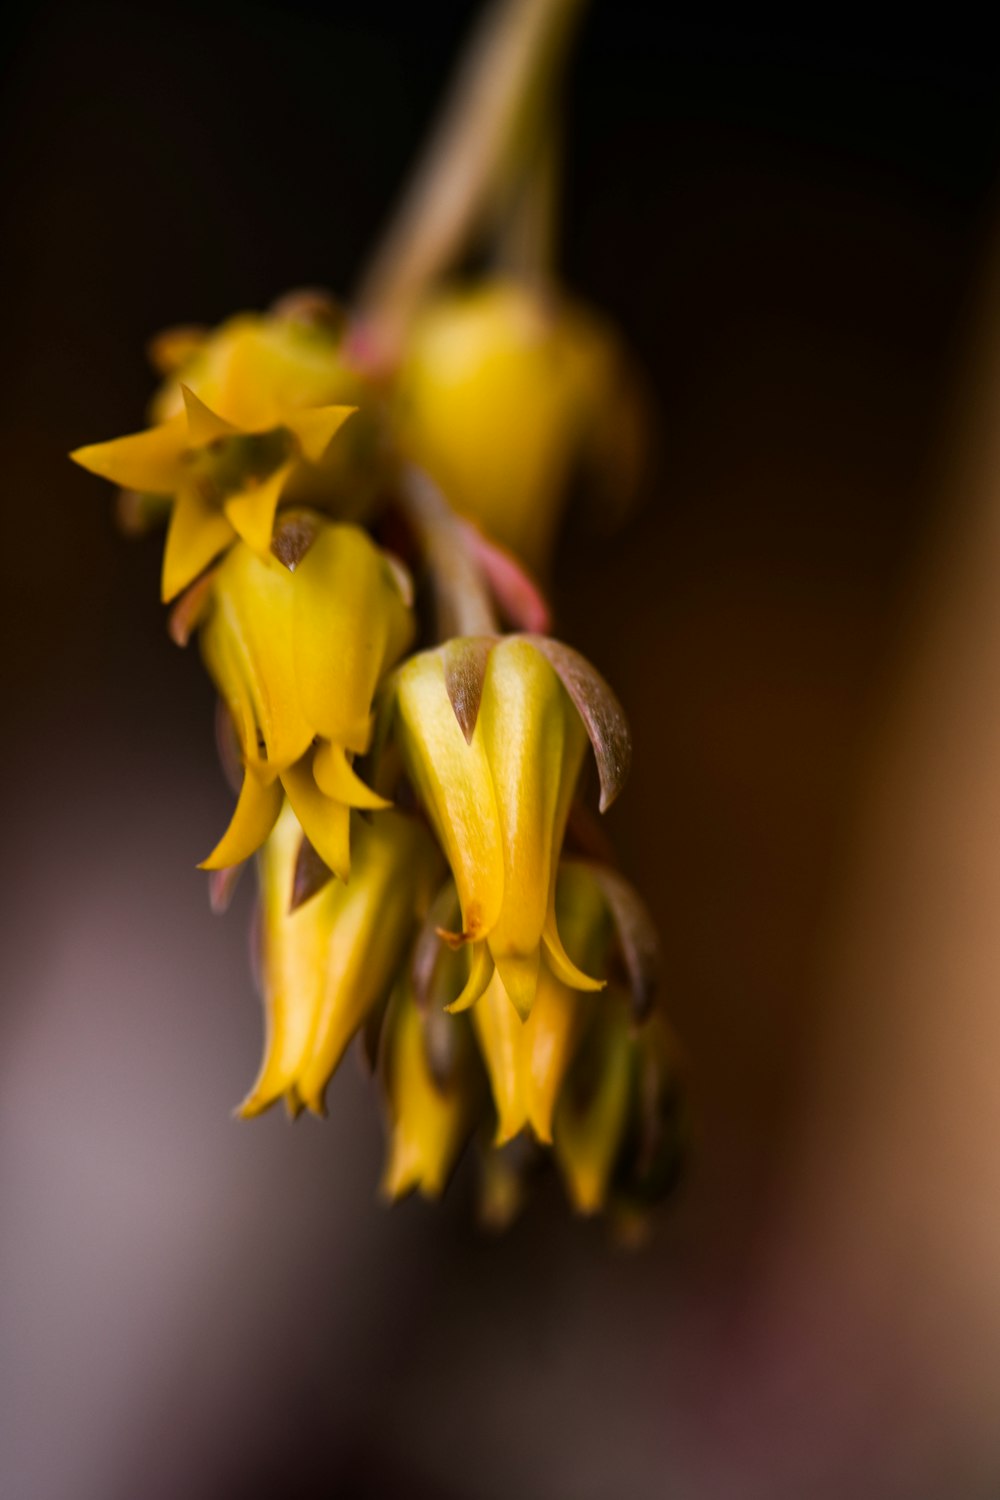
x,y
502,395
432,1085
297,656
327,964
256,408
492,734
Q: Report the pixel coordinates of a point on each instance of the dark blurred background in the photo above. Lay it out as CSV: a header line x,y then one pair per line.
x,y
791,223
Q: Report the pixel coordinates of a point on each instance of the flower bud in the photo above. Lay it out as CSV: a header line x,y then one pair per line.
x,y
298,657
329,962
501,394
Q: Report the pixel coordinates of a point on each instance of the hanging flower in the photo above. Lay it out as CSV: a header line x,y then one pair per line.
x,y
297,655
327,964
503,394
255,408
492,734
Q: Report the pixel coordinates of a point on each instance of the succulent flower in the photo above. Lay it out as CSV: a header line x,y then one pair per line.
x,y
225,454
503,988
326,964
297,655
492,736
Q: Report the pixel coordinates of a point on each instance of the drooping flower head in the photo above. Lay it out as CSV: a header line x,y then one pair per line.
x,y
297,654
503,394
326,964
492,734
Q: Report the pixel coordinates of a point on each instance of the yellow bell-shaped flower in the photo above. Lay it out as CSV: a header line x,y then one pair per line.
x,y
298,657
492,734
252,411
328,963
498,793
502,394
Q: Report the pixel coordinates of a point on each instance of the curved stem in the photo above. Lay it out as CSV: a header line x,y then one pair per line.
x,y
502,87
462,598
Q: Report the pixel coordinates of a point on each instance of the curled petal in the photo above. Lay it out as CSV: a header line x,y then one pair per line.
x,y
256,814
560,962
325,821
336,778
480,976
600,711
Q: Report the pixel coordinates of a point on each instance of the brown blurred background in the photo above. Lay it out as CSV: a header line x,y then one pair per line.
x,y
792,224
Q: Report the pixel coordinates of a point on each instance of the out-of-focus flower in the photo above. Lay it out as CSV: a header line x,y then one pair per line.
x,y
253,409
433,1088
618,1127
326,964
492,735
297,655
503,394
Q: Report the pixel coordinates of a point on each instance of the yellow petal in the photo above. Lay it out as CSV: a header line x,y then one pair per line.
x,y
373,919
196,534
480,973
255,815
498,1031
351,626
337,778
562,965
203,424
316,427
455,787
147,461
250,512
247,642
325,821
534,740
293,969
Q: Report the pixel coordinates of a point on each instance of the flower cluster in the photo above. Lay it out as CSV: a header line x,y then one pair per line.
x,y
408,808
357,511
